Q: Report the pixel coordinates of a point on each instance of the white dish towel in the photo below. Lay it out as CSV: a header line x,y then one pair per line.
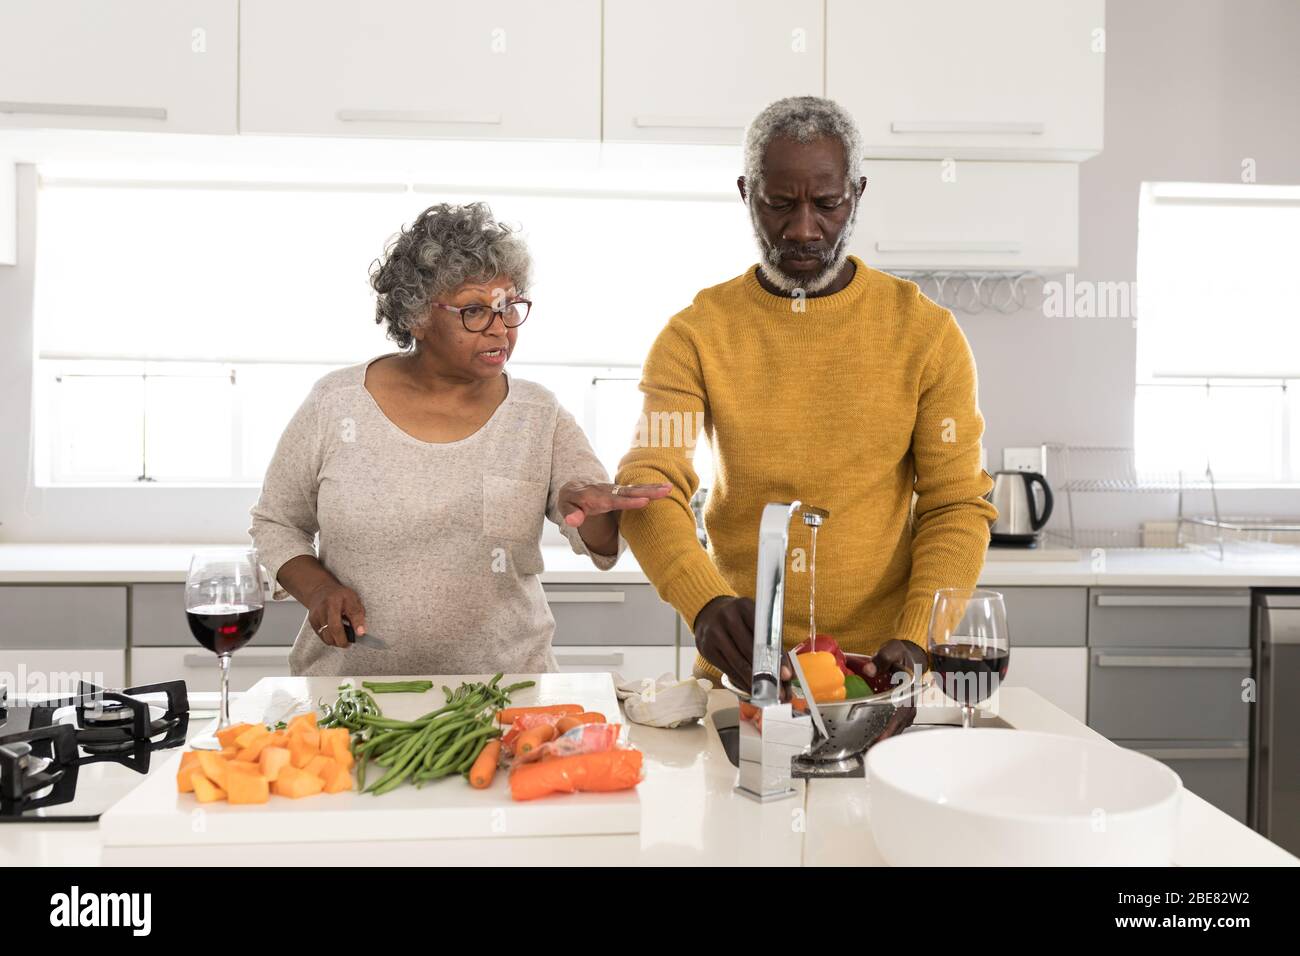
x,y
666,702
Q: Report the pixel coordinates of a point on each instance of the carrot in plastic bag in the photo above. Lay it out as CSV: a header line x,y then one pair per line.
x,y
611,770
586,739
527,722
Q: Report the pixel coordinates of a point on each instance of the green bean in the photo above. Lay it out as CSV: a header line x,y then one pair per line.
x,y
398,686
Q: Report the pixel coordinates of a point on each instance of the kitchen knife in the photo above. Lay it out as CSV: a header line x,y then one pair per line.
x,y
365,640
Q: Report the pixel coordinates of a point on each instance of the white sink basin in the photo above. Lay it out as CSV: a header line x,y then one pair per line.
x,y
1017,798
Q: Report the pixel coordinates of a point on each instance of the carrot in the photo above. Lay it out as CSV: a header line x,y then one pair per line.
x,y
485,766
534,738
511,714
611,770
592,717
565,724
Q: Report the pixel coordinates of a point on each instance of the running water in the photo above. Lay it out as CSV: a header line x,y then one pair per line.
x,y
812,592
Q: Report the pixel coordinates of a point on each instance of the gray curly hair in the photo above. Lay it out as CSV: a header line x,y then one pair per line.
x,y
803,119
447,246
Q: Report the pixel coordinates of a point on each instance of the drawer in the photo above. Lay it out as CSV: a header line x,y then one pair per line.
x,y
1169,617
59,671
198,667
59,616
1158,693
1216,771
1058,674
158,619
1046,617
605,613
632,662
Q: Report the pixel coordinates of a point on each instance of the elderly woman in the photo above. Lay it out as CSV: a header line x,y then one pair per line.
x,y
427,473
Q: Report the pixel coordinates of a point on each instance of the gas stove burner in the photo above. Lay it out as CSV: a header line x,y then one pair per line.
x,y
44,743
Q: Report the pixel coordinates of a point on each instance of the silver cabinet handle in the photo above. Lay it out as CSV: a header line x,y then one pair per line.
x,y
942,245
86,109
612,660
242,657
967,127
1233,661
1172,600
687,122
1196,753
418,116
585,597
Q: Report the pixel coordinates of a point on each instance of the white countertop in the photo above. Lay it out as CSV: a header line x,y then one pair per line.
x,y
132,563
690,816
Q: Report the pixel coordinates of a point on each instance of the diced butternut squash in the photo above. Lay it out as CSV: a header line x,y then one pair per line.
x,y
230,734
241,767
307,721
214,767
279,738
248,788
273,760
337,778
300,751
317,764
205,789
254,750
248,736
189,764
308,735
296,783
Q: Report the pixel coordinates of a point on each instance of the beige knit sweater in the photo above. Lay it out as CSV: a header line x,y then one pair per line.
x,y
440,541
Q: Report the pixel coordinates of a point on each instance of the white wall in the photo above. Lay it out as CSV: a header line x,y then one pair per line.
x,y
1191,90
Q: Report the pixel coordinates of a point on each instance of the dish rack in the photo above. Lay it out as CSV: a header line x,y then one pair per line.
x,y
1088,469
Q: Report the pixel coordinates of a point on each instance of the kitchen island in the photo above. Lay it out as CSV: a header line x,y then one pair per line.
x,y
690,815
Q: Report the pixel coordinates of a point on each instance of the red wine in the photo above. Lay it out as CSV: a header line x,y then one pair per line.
x,y
223,629
969,673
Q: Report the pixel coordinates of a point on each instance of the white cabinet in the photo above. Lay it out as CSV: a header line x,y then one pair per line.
x,y
198,668
424,68
945,214
160,65
1002,79
689,72
632,661
1059,674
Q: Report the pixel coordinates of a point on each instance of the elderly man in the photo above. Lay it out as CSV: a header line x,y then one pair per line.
x,y
816,378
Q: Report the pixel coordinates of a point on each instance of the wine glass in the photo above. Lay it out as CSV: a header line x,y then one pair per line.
x,y
969,645
223,604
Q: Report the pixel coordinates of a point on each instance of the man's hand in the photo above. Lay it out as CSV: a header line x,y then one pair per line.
x,y
724,635
897,657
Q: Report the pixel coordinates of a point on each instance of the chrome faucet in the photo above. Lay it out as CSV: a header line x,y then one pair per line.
x,y
773,737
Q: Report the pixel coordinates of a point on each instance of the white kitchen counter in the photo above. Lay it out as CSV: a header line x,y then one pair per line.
x,y
690,816
139,563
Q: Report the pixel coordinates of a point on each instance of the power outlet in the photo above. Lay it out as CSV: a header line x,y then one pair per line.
x,y
1025,459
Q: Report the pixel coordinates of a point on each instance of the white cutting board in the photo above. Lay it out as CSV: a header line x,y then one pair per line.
x,y
154,814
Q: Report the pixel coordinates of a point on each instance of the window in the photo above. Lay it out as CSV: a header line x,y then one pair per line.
x,y
1218,336
179,326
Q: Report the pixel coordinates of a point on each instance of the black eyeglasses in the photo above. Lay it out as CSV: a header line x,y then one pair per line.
x,y
476,317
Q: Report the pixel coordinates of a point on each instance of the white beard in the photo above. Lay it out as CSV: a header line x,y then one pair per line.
x,y
769,262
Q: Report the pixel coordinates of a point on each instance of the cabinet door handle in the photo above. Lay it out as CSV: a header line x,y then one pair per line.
x,y
585,597
612,660
1172,600
86,109
945,245
687,122
968,127
418,116
242,657
1196,753
1233,661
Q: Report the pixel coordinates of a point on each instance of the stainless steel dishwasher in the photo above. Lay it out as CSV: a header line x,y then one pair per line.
x,y
1275,721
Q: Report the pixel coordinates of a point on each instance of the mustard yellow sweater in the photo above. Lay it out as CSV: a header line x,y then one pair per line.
x,y
850,402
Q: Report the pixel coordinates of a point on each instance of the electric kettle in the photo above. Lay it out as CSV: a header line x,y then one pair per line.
x,y
1019,518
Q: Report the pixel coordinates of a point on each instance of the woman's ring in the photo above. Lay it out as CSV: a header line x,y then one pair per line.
x,y
618,489
323,628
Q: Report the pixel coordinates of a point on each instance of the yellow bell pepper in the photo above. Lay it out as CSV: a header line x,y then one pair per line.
x,y
824,681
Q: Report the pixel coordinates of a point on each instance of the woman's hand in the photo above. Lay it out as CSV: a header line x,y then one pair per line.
x,y
326,608
593,507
